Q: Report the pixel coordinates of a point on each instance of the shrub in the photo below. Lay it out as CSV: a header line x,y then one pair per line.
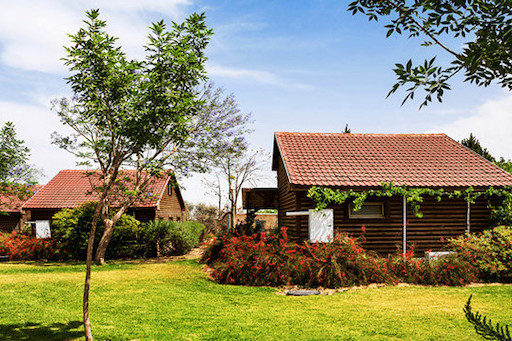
x,y
449,270
490,251
22,247
273,260
164,237
70,230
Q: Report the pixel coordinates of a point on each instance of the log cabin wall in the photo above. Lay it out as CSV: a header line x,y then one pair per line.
x,y
444,219
42,213
10,221
143,215
170,206
286,201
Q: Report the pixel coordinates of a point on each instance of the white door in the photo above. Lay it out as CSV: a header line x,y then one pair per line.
x,y
321,226
43,229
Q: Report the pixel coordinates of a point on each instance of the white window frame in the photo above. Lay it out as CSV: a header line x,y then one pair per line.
x,y
354,215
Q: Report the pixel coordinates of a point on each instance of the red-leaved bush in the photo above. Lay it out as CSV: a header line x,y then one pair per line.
x,y
274,260
22,247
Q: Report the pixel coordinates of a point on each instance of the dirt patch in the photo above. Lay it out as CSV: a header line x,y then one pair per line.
x,y
195,253
327,291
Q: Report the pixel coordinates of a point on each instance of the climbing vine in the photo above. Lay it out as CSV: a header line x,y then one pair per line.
x,y
414,196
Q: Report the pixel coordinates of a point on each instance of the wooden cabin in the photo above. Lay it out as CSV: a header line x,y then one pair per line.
x,y
12,216
364,161
71,188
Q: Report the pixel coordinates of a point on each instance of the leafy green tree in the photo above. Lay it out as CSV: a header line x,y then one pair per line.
x,y
472,143
128,113
475,34
14,155
208,215
16,174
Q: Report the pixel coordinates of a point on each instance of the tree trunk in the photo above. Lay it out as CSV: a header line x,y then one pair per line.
x,y
90,245
104,241
233,210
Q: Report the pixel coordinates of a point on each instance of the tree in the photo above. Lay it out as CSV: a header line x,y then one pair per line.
x,y
472,143
204,214
479,32
226,143
214,186
16,175
239,167
128,113
14,155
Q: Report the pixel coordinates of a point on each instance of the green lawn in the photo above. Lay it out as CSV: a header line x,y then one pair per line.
x,y
176,301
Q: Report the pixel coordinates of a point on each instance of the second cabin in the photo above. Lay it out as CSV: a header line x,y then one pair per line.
x,y
364,161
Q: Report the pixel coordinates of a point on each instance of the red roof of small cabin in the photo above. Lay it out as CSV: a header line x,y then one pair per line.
x,y
367,160
71,188
11,202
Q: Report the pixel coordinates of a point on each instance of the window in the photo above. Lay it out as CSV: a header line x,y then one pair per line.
x,y
169,188
369,210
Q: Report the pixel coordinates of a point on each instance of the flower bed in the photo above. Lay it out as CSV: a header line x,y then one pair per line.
x,y
274,260
22,247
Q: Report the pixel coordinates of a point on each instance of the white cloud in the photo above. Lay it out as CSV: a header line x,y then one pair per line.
x,y
32,33
251,75
491,124
263,77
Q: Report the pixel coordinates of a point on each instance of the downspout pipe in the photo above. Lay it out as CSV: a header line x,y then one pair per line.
x,y
468,217
404,215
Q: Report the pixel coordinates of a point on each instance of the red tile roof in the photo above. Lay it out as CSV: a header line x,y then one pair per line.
x,y
71,188
367,160
11,202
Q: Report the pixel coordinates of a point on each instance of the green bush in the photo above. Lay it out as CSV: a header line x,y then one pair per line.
x,y
70,230
165,238
490,251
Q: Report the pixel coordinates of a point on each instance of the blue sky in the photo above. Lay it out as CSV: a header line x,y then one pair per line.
x,y
295,65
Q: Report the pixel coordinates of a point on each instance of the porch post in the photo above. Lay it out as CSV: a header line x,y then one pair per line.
x,y
404,215
468,217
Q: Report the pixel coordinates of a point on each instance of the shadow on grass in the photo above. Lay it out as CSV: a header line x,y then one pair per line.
x,y
37,331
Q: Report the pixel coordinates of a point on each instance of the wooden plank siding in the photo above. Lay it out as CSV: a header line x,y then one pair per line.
x,y
445,219
286,201
10,221
170,207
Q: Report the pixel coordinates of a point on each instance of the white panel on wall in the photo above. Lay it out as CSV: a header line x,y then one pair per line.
x,y
321,225
43,229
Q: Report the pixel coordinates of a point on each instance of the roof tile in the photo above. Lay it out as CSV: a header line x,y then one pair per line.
x,y
71,188
367,160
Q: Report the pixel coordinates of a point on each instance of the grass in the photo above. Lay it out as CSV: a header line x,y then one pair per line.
x,y
176,301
